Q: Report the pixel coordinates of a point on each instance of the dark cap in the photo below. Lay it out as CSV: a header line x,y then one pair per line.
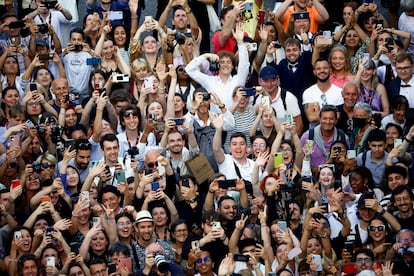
x,y
300,15
268,72
42,42
361,200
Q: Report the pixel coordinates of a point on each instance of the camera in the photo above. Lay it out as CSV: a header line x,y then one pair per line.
x,y
133,151
77,47
389,43
40,130
37,168
56,136
50,5
152,116
406,249
288,187
180,37
43,28
161,262
206,97
214,66
120,78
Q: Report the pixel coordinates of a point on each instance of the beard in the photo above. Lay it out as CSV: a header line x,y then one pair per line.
x,y
324,79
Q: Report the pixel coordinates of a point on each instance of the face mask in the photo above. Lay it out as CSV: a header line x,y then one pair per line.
x,y
358,122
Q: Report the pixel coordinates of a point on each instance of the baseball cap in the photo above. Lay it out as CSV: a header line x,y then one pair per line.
x,y
268,72
142,216
41,42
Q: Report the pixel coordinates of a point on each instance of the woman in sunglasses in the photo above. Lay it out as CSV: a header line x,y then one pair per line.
x,y
379,237
202,263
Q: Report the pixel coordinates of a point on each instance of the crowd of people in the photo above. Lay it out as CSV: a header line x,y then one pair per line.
x,y
131,147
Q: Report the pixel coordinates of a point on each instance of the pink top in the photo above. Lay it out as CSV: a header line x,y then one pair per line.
x,y
340,82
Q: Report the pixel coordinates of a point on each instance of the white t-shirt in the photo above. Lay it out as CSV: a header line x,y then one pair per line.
x,y
314,94
227,168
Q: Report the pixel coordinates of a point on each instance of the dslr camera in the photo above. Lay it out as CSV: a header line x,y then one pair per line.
x,y
161,263
406,249
133,151
37,168
214,66
43,28
180,37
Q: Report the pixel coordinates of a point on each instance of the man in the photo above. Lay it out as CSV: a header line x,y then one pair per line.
x,y
402,253
144,231
40,46
318,14
77,71
81,160
224,82
200,120
223,40
110,197
110,151
394,176
350,94
60,88
321,93
248,247
323,136
364,260
399,106
280,99
27,265
156,263
181,19
402,198
98,267
177,154
56,16
374,159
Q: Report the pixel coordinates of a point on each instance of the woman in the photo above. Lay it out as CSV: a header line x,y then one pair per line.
x,y
9,97
124,223
270,187
46,163
348,15
379,237
153,91
383,41
155,113
10,73
31,186
91,26
269,125
19,246
95,245
343,164
372,92
112,61
399,107
243,113
179,238
356,42
121,39
36,104
361,181
185,86
140,69
341,66
362,126
392,132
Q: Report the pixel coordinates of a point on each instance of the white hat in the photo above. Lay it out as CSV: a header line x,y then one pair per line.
x,y
143,215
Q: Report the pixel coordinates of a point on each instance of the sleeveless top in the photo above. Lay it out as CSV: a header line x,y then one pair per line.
x,y
371,97
340,82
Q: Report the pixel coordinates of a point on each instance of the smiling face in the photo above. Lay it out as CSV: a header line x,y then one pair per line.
x,y
350,95
145,230
10,66
120,36
322,70
175,142
287,153
204,263
108,49
326,177
403,202
156,108
124,227
238,147
150,45
27,240
11,98
314,246
338,61
99,242
347,14
43,77
292,53
228,209
72,177
130,119
226,66
352,39
180,233
377,230
160,216
328,120
363,262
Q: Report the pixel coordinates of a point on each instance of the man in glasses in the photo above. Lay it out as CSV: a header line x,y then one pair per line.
x,y
322,93
364,259
156,263
403,253
98,267
402,198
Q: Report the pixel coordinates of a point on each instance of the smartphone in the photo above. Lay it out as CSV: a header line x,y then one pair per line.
x,y
289,119
231,182
178,121
45,57
278,160
125,262
266,101
337,149
351,154
120,177
148,82
379,23
397,142
148,18
85,197
50,261
74,247
155,186
248,6
294,252
15,183
216,224
17,235
49,233
272,274
185,183
33,86
261,15
369,1
45,199
94,163
111,268
195,245
115,15
318,260
148,171
95,220
29,123
252,46
240,258
324,202
366,58
282,226
14,141
250,91
327,34
16,24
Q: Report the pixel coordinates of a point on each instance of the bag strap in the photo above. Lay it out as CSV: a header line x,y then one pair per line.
x,y
237,170
283,97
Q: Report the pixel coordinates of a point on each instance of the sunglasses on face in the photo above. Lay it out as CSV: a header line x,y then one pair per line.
x,y
129,114
379,228
47,166
206,259
152,164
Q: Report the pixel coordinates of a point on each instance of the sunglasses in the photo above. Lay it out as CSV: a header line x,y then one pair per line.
x,y
372,228
152,164
180,69
130,113
84,146
206,259
12,165
47,165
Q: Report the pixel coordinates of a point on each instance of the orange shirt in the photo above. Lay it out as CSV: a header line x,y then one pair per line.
x,y
313,16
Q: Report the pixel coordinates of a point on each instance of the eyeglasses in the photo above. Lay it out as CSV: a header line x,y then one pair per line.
x,y
330,166
122,224
130,113
181,230
261,145
363,260
33,104
100,272
47,166
206,259
180,69
403,68
323,98
408,240
372,228
152,165
405,198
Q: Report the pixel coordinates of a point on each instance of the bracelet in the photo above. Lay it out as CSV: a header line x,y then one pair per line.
x,y
382,212
190,267
222,106
193,200
210,192
12,260
408,140
73,215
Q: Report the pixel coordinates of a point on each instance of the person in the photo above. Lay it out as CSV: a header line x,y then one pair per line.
x,y
402,198
224,83
322,93
324,135
402,252
399,107
144,231
350,93
81,159
27,265
405,25
374,159
98,267
156,264
361,127
280,99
